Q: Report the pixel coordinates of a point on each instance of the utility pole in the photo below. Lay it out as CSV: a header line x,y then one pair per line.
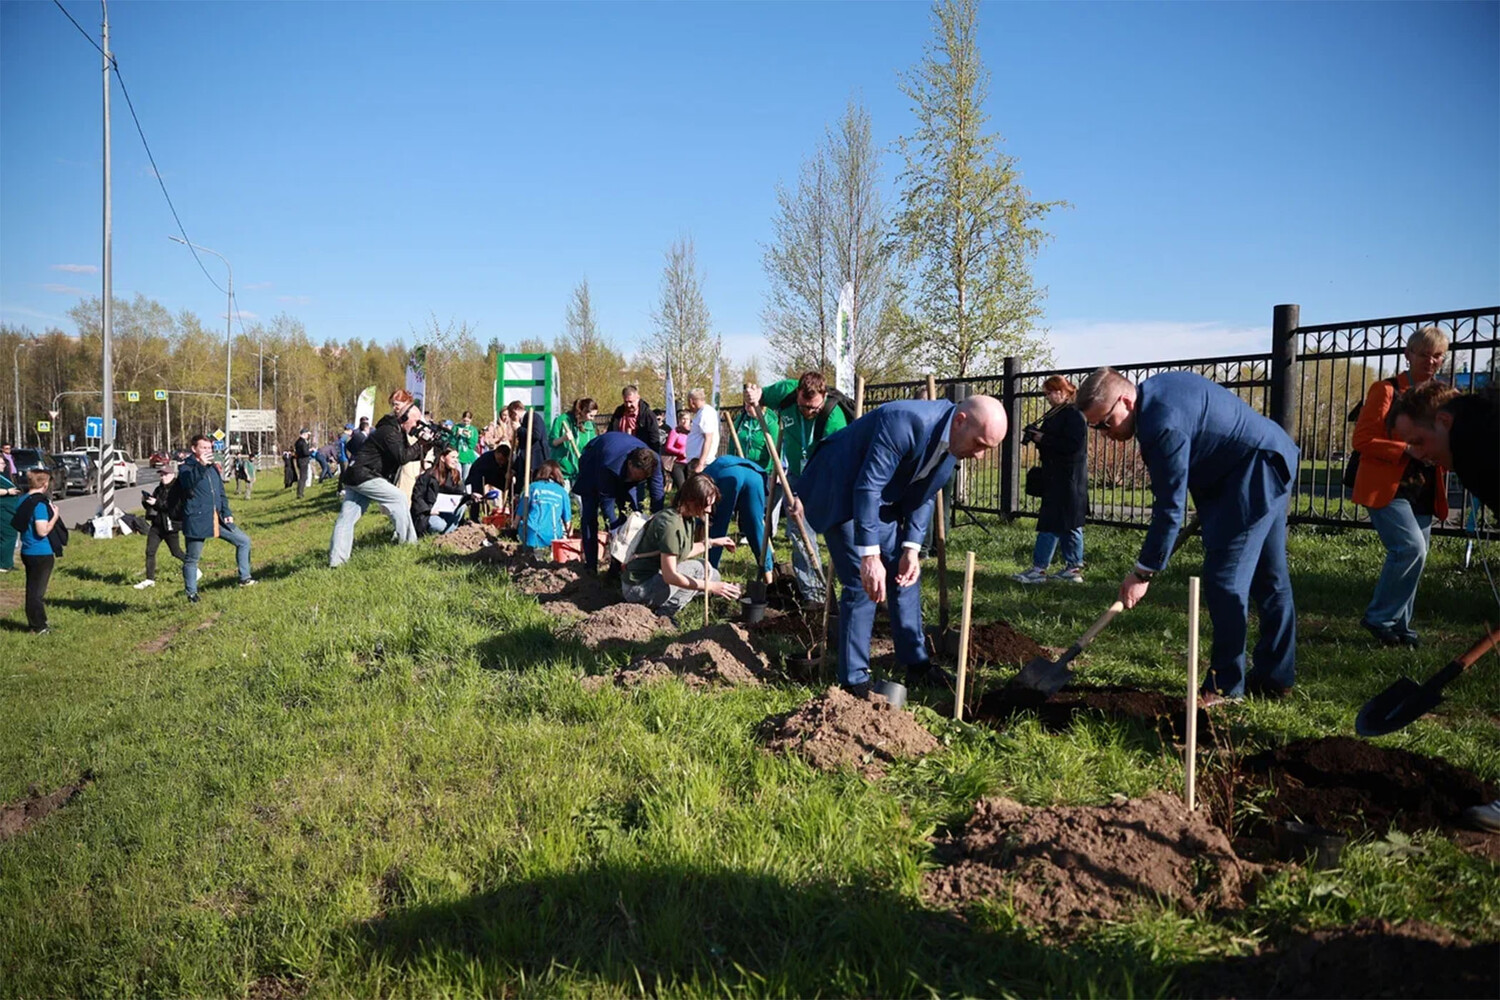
x,y
107,433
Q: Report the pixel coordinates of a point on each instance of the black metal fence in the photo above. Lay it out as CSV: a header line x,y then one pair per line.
x,y
1308,382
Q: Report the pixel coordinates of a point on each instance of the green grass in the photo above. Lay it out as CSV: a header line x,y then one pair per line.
x,y
387,780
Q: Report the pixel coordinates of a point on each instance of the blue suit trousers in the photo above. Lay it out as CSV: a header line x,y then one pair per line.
x,y
1251,566
857,611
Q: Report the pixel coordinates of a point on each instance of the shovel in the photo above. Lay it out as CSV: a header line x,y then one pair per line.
x,y
1051,676
1406,701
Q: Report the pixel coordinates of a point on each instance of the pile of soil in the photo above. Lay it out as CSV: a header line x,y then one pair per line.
x,y
717,656
465,539
1346,784
619,625
19,816
1371,958
584,594
1169,712
837,730
546,580
1067,865
789,625
999,643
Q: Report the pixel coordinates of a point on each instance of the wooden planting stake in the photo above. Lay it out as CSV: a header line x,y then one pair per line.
x,y
706,568
786,487
734,435
941,534
963,637
572,441
1192,694
859,396
530,419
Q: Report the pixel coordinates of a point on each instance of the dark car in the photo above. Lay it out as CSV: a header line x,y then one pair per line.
x,y
158,460
80,471
33,458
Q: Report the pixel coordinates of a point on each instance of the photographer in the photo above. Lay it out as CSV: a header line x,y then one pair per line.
x,y
162,528
372,472
1061,439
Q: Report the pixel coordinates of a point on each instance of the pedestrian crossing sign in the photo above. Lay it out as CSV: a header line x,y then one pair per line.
x,y
132,396
43,426
160,394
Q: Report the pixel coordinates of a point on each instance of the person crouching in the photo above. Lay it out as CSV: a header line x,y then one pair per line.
x,y
668,567
372,475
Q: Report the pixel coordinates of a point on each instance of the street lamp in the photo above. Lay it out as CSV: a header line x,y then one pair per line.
x,y
15,363
228,329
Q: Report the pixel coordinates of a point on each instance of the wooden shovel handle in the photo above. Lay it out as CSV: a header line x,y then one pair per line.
x,y
1098,626
1479,649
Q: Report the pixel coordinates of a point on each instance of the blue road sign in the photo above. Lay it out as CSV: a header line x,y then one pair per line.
x,y
93,427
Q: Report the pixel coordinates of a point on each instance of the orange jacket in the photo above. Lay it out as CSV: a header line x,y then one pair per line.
x,y
1382,458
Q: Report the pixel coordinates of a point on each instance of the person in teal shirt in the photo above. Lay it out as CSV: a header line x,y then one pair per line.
x,y
570,432
807,413
10,495
466,443
752,434
546,510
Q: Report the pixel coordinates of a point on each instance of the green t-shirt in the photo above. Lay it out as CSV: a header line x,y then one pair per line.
x,y
797,432
665,534
563,453
466,440
753,439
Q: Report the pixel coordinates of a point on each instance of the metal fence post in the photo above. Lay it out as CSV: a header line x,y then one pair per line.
x,y
1283,367
1010,453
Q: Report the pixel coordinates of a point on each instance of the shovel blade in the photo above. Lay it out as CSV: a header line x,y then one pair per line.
x,y
1401,704
1044,675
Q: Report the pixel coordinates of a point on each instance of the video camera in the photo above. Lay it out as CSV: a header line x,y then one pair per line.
x,y
428,432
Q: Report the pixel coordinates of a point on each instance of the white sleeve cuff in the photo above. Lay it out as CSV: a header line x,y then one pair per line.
x,y
1144,568
914,546
866,550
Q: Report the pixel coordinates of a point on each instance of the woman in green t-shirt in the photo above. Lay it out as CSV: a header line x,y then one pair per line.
x,y
667,571
570,432
466,443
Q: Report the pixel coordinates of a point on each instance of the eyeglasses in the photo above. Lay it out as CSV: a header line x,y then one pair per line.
x,y
1104,424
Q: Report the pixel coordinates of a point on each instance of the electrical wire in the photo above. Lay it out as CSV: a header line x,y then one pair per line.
x,y
85,34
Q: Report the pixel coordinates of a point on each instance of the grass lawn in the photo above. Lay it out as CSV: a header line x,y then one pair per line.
x,y
386,779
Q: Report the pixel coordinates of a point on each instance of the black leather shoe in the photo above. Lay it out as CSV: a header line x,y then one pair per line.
x,y
931,677
860,691
1383,634
1410,639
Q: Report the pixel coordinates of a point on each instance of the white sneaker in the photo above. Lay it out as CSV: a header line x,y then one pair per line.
x,y
144,584
1073,574
1486,817
1032,575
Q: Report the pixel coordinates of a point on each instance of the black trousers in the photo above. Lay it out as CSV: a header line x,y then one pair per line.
x,y
38,574
154,538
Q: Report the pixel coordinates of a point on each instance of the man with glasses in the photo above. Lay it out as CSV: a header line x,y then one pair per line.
x,y
1199,439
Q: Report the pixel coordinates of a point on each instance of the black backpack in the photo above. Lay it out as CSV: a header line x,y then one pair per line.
x,y
26,513
831,398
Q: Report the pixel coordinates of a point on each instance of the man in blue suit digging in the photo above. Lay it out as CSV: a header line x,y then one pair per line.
x,y
869,491
1198,438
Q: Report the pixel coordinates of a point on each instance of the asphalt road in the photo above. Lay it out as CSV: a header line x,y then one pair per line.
x,y
80,507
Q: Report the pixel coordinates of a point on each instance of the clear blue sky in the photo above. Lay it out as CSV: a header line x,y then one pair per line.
x,y
364,164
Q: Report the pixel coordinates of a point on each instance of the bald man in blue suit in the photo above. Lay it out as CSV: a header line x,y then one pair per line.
x,y
869,491
1199,439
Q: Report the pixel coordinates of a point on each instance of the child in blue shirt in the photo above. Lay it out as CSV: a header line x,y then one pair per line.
x,y
39,517
546,510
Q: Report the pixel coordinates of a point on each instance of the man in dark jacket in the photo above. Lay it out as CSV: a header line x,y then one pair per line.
x,y
615,468
206,515
372,473
303,451
531,449
358,438
635,416
1460,432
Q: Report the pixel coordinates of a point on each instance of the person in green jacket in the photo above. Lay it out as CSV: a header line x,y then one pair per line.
x,y
465,441
807,413
10,498
570,432
753,438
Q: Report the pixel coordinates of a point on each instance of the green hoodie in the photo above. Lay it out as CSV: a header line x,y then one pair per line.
x,y
797,432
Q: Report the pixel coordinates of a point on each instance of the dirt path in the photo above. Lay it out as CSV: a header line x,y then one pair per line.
x,y
19,816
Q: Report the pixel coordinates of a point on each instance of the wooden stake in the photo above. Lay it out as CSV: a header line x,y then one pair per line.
x,y
940,532
706,567
963,637
859,396
1192,694
734,435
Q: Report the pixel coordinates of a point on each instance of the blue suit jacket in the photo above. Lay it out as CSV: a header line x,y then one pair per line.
x,y
1201,439
867,472
204,488
601,477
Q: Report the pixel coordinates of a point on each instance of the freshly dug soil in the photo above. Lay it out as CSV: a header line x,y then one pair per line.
x,y
1346,784
717,656
545,580
787,624
464,539
19,816
1169,712
1069,865
1371,958
837,730
619,625
582,595
998,643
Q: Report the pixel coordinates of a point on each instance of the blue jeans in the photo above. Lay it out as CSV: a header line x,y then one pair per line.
x,y
857,611
1251,566
357,499
194,551
808,586
441,524
1406,537
1046,545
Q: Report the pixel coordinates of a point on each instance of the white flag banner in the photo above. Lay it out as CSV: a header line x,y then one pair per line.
x,y
364,407
843,363
671,400
715,396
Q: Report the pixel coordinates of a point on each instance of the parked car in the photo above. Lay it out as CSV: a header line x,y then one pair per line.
x,y
125,470
80,471
34,458
158,460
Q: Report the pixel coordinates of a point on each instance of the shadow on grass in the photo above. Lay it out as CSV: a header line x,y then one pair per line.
x,y
89,605
94,576
522,648
658,929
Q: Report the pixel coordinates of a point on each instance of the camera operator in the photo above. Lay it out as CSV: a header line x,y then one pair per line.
x,y
372,472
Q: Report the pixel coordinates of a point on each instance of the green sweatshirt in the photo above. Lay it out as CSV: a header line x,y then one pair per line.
x,y
797,432
563,452
753,439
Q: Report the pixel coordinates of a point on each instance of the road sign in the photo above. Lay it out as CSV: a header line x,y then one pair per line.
x,y
132,396
218,435
43,426
53,413
252,420
160,394
93,427
72,438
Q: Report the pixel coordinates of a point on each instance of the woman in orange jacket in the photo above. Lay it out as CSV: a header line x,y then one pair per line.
x,y
1401,493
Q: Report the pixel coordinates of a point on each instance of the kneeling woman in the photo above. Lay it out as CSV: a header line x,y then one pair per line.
x,y
442,478
667,571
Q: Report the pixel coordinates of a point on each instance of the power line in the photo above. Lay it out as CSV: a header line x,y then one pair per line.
x,y
85,34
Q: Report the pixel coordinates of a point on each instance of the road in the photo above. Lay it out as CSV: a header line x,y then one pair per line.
x,y
80,507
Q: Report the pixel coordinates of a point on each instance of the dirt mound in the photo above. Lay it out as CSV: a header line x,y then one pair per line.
x,y
465,539
789,625
1371,958
584,594
1347,784
837,730
160,642
19,816
545,580
997,642
1168,711
720,655
1068,865
619,625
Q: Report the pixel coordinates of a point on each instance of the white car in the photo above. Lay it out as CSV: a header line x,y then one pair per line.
x,y
125,469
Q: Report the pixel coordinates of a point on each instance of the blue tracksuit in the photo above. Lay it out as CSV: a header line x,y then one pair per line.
x,y
1198,438
742,494
862,493
601,484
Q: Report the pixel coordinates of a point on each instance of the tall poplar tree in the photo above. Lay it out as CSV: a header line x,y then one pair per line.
x,y
681,319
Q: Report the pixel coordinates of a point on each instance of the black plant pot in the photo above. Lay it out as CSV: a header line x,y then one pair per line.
x,y
753,612
1303,841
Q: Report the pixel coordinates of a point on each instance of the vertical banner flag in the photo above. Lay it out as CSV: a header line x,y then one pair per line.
x,y
718,366
364,407
416,374
843,364
671,400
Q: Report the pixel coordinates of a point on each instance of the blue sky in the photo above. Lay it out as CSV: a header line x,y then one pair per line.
x,y
365,164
